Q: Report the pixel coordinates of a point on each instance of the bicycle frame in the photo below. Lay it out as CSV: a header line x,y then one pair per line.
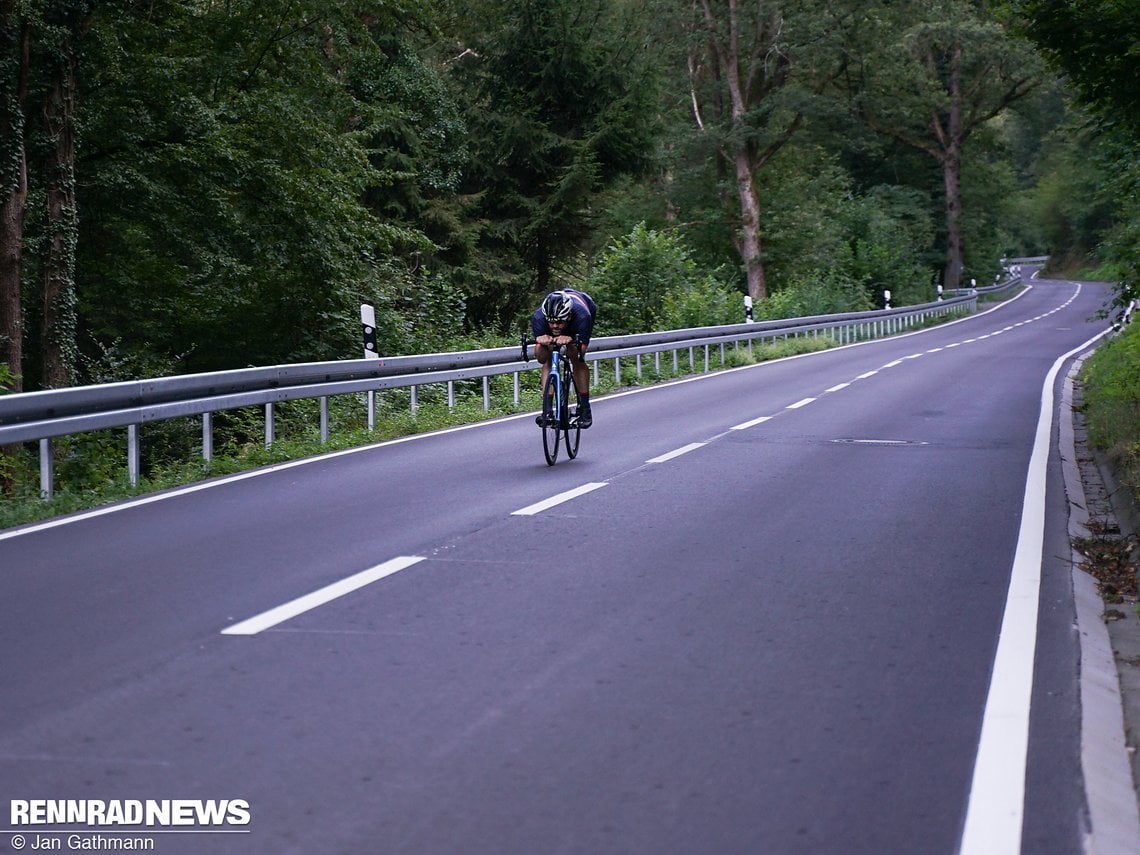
x,y
555,419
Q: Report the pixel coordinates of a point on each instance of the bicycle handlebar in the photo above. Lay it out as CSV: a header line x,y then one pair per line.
x,y
526,342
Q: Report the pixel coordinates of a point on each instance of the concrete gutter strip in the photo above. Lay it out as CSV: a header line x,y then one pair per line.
x,y
1109,787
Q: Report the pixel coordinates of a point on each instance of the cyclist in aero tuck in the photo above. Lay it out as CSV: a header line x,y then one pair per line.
x,y
563,315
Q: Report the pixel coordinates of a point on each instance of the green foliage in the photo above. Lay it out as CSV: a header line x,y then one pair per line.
x,y
1094,43
1112,403
7,379
418,312
561,106
225,218
1072,210
703,302
648,280
990,193
1121,242
250,172
839,250
826,293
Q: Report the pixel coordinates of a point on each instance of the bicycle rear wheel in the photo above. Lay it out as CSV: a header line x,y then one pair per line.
x,y
573,432
551,424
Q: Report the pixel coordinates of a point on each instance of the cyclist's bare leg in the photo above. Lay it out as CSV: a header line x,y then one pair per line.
x,y
581,370
582,385
542,354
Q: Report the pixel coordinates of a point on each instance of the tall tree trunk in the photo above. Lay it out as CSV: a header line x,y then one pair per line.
x,y
13,186
955,250
952,139
59,297
729,56
750,226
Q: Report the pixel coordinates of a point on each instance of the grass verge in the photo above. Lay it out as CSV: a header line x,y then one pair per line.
x,y
1111,379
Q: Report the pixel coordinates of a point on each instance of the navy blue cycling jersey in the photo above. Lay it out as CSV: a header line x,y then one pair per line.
x,y
581,321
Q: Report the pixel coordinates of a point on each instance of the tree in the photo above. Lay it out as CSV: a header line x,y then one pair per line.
x,y
14,63
66,22
755,72
562,104
1094,44
234,179
948,69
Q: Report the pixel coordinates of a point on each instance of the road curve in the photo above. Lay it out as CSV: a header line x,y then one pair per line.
x,y
759,613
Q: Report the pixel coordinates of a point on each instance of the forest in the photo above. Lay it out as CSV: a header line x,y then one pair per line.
x,y
198,185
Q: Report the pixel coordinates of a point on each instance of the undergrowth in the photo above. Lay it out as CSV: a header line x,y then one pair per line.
x,y
1112,405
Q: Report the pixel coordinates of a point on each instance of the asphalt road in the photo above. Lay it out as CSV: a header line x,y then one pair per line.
x,y
777,641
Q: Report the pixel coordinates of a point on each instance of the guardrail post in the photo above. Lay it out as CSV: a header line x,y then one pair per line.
x,y
706,359
133,454
324,419
451,394
597,371
486,393
617,371
515,387
639,366
47,469
415,399
657,361
269,425
371,410
207,436
676,368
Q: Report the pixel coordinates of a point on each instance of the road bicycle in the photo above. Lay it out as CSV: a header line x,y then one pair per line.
x,y
557,420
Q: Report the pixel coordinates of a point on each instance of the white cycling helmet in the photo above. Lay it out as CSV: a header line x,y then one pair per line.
x,y
557,306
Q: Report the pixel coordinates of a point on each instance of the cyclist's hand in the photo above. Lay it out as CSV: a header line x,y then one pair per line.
x,y
562,339
544,340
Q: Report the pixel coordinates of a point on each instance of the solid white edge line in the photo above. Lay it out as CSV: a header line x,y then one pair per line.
x,y
539,507
677,452
996,806
753,423
282,613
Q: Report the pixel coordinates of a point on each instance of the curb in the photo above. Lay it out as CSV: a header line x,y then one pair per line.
x,y
1114,815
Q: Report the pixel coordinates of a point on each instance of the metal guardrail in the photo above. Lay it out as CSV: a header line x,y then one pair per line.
x,y
41,416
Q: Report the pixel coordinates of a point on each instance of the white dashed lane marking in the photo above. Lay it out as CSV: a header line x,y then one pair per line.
x,y
677,452
546,504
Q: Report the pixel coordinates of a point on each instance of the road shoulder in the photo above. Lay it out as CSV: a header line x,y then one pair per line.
x,y
1110,641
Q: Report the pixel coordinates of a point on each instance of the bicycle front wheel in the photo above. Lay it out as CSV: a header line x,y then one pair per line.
x,y
551,423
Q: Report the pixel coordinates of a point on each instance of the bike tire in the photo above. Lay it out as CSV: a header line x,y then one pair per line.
x,y
573,432
551,428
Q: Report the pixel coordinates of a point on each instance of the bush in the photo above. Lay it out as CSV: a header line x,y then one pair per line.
x,y
648,280
7,379
820,294
1112,404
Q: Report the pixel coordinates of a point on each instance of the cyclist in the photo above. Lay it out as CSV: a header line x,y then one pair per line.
x,y
564,315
